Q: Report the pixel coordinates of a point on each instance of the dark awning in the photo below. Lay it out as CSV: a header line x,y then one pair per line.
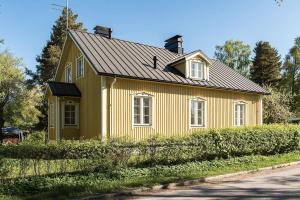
x,y
64,89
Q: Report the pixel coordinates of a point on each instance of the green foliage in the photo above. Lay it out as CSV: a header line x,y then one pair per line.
x,y
3,168
276,106
236,54
291,75
35,138
205,145
266,65
17,102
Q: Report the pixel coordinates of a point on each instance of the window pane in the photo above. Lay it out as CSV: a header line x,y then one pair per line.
x,y
199,112
193,70
67,114
72,121
136,101
200,70
67,121
80,67
146,119
146,102
193,113
146,111
242,114
137,119
70,115
137,111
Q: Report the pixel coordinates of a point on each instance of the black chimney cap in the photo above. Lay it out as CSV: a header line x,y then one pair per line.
x,y
103,31
176,37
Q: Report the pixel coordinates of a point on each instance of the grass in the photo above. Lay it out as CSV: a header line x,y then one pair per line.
x,y
70,185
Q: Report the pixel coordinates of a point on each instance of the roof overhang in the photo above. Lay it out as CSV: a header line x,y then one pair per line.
x,y
64,89
190,56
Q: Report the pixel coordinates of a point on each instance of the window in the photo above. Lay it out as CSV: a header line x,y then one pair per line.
x,y
197,113
51,115
142,110
68,75
239,114
70,115
79,67
197,70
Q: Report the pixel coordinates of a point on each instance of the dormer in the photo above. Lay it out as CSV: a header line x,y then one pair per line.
x,y
194,65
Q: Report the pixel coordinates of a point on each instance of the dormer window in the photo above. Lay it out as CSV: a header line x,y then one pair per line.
x,y
197,70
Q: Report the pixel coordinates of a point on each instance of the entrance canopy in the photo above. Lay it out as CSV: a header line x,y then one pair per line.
x,y
64,89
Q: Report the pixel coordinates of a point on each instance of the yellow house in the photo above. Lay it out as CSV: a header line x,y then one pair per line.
x,y
108,88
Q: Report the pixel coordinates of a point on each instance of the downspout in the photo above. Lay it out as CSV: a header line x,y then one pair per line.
x,y
110,106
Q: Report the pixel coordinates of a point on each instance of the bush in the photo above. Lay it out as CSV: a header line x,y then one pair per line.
x,y
35,138
204,145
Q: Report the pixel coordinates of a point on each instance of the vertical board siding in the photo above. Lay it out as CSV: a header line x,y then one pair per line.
x,y
89,85
171,108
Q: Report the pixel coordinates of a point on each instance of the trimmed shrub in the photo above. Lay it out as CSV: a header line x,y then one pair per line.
x,y
204,145
35,138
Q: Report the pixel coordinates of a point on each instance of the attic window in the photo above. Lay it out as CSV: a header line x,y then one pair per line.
x,y
197,70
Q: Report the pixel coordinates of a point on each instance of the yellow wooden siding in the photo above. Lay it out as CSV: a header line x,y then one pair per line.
x,y
171,108
51,130
89,85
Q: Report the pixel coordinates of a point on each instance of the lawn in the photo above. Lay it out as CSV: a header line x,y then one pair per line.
x,y
78,184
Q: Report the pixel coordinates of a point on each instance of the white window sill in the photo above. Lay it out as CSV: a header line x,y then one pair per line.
x,y
197,126
142,126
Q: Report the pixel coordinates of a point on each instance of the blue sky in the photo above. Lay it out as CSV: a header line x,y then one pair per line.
x,y
25,25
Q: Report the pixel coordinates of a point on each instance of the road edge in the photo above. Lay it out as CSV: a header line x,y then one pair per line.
x,y
191,182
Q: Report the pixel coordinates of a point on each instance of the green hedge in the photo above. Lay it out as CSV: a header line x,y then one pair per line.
x,y
204,145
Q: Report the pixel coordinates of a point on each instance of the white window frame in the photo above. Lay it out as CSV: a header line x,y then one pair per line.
x,y
76,125
204,113
80,58
151,110
234,114
201,65
51,115
68,67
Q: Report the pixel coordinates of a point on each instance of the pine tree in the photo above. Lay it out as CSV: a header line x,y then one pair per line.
x,y
266,65
49,59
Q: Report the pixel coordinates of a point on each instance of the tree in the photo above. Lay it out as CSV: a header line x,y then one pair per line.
x,y
17,103
236,54
276,106
291,75
49,59
266,65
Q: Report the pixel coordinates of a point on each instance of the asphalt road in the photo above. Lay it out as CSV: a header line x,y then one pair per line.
x,y
276,184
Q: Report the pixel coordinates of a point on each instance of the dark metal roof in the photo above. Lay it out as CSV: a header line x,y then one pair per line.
x,y
64,89
115,57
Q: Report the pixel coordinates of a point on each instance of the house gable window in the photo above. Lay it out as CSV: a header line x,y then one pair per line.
x,y
197,70
239,114
68,74
71,114
79,67
197,112
142,110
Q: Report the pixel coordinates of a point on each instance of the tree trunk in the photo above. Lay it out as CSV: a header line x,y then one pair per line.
x,y
1,125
